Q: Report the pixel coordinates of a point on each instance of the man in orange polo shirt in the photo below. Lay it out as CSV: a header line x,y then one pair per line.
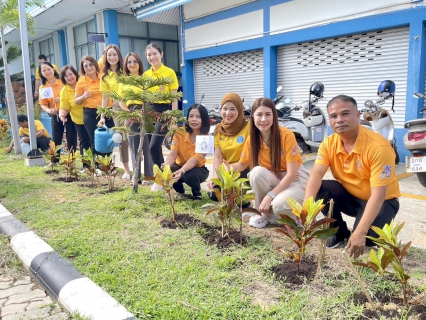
x,y
362,162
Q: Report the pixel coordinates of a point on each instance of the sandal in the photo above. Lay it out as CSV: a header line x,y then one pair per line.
x,y
258,221
126,176
145,183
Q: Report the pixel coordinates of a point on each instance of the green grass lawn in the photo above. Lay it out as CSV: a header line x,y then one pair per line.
x,y
116,240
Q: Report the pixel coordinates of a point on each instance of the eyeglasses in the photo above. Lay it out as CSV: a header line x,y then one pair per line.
x,y
89,65
132,62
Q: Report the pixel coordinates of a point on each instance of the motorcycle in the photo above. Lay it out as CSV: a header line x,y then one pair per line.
x,y
379,119
415,142
312,129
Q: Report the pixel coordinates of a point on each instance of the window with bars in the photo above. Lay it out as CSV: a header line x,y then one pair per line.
x,y
82,46
46,48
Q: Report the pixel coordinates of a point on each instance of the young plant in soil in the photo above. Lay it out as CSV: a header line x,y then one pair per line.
x,y
68,163
89,165
52,154
146,117
107,165
304,227
390,252
231,196
164,178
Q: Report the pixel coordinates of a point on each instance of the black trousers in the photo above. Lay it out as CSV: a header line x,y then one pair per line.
x,y
83,136
354,207
43,143
192,178
157,138
91,123
134,142
58,129
212,195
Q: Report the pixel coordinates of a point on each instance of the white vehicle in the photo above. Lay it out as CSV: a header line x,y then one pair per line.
x,y
415,141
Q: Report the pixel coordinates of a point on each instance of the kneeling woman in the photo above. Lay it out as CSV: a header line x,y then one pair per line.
x,y
188,166
276,166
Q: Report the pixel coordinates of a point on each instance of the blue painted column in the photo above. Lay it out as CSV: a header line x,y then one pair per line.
x,y
270,75
63,56
416,68
188,84
111,27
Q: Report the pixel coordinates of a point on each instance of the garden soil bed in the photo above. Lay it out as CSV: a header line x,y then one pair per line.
x,y
214,238
288,271
183,221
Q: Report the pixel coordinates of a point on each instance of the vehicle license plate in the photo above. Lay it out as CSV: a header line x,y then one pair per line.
x,y
415,164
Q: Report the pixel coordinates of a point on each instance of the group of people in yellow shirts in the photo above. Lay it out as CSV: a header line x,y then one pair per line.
x,y
266,153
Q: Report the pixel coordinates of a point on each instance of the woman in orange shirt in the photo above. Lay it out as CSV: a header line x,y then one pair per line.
x,y
49,97
88,93
277,172
188,166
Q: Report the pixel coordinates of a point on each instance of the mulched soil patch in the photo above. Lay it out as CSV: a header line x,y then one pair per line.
x,y
183,221
214,238
50,171
65,179
289,273
394,311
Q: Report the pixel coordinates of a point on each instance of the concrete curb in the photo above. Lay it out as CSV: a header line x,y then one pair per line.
x,y
58,276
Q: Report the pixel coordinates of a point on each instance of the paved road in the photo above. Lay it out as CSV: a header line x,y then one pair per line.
x,y
412,203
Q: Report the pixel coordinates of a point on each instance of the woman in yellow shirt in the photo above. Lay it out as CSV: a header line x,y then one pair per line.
x,y
88,93
49,95
229,135
277,172
154,55
133,66
113,66
69,78
188,166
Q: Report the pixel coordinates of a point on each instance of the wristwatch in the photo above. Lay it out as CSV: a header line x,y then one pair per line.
x,y
271,194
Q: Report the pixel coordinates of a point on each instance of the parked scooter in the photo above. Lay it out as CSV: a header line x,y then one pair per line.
x,y
312,129
378,117
415,142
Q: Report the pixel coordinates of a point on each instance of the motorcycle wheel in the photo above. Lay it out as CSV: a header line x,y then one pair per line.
x,y
422,178
168,141
303,147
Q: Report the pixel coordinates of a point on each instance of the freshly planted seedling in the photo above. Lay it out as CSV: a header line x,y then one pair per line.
x,y
68,162
164,178
304,227
390,252
107,164
4,132
231,196
53,154
89,165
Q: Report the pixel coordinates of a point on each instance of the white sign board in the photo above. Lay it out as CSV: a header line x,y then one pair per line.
x,y
204,144
46,93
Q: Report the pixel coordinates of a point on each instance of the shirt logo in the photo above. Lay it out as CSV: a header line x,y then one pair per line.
x,y
174,143
386,173
359,163
319,157
240,139
294,153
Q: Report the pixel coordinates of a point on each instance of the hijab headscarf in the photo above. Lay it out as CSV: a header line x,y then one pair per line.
x,y
231,129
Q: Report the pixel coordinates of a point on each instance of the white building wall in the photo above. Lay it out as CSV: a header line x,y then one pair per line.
x,y
225,31
70,46
58,61
299,14
100,27
200,8
16,66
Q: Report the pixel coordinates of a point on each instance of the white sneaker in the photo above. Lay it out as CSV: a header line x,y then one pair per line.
x,y
156,187
126,176
98,173
83,171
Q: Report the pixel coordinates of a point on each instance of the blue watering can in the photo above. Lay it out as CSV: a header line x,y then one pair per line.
x,y
103,140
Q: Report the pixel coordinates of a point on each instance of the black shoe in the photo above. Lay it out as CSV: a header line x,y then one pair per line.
x,y
197,198
335,240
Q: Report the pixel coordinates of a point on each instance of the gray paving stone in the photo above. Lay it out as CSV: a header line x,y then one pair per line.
x,y
26,297
2,301
59,316
13,309
38,314
24,280
5,284
15,290
5,278
39,302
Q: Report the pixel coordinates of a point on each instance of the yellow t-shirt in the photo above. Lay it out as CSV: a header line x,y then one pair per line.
x,y
163,72
186,149
67,103
37,75
371,163
109,82
289,151
124,87
92,86
56,93
38,125
232,146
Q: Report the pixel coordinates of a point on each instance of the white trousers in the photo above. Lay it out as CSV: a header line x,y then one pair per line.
x,y
263,180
